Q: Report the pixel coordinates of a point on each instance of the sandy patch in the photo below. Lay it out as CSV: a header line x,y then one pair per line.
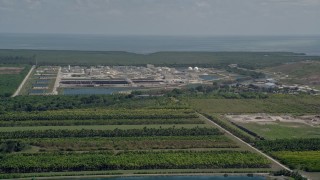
x,y
261,118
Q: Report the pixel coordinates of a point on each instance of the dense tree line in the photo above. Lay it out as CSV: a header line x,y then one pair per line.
x,y
99,122
12,146
311,144
250,73
131,143
43,103
45,162
86,114
17,60
197,131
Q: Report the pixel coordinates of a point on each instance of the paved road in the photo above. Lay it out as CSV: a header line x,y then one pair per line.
x,y
23,82
56,84
257,150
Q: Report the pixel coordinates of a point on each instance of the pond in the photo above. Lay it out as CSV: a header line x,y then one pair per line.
x,y
209,77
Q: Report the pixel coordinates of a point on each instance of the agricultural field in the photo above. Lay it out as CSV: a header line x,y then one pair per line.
x,y
304,160
279,126
107,139
293,140
10,78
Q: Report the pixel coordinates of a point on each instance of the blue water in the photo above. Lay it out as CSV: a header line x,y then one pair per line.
x,y
149,44
37,91
184,178
42,81
75,91
40,85
208,77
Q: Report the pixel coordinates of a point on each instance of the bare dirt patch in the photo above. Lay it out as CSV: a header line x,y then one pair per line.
x,y
10,70
311,120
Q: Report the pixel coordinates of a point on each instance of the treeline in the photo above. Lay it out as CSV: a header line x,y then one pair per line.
x,y
17,60
250,60
99,122
250,73
10,146
197,131
45,103
130,143
312,144
46,162
217,90
86,114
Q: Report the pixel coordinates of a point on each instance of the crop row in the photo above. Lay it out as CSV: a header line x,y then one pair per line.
x,y
132,143
305,160
84,114
197,131
99,122
289,145
44,162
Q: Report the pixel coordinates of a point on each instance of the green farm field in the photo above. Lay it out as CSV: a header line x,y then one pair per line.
x,y
10,81
305,160
164,146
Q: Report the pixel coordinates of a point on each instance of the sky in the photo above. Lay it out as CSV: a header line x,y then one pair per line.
x,y
161,17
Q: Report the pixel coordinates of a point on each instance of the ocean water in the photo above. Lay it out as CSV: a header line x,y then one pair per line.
x,y
149,44
184,178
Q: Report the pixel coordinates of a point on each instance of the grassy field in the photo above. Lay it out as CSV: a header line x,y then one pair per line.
x,y
10,81
248,59
305,160
273,104
283,130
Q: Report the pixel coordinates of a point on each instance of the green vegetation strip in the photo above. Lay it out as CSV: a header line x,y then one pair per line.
x,y
304,160
99,122
10,82
289,145
132,143
243,59
44,162
98,127
85,114
196,131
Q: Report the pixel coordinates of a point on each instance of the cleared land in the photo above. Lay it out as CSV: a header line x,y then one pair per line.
x,y
282,130
10,70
